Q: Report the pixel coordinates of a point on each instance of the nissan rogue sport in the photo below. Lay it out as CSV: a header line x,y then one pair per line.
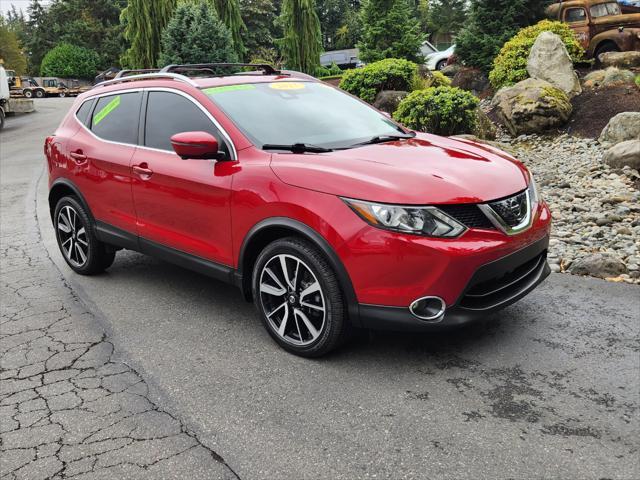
x,y
325,212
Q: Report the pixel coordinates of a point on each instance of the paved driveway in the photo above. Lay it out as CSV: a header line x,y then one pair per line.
x,y
547,389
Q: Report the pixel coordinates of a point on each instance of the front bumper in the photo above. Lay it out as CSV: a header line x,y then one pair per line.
x,y
492,287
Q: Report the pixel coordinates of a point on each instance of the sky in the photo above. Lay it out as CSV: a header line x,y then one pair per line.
x,y
5,5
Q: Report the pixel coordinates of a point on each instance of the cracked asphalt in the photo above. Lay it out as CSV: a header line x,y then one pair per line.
x,y
151,371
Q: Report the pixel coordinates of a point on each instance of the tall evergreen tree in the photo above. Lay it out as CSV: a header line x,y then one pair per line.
x,y
302,42
259,16
390,29
10,50
491,24
229,13
144,21
195,34
446,16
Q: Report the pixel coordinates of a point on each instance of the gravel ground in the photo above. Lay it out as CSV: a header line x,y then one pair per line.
x,y
595,209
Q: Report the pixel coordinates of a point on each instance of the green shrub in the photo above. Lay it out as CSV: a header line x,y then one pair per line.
x,y
330,71
439,110
510,66
388,74
433,79
638,80
70,61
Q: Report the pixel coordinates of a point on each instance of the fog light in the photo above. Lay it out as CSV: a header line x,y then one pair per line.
x,y
428,308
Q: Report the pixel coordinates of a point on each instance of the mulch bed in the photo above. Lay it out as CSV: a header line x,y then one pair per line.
x,y
593,109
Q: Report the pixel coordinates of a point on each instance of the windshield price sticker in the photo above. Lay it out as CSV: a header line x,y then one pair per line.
x,y
106,110
287,86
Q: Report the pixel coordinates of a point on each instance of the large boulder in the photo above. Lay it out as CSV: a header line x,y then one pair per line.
x,y
532,106
451,70
471,79
624,126
600,265
388,100
550,61
624,154
484,129
610,77
620,59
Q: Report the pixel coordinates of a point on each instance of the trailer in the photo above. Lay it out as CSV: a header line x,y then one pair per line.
x,y
8,104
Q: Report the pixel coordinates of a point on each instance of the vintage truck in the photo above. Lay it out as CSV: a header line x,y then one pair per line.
x,y
599,25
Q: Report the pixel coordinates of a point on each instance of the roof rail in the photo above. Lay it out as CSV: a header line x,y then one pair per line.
x,y
148,76
129,73
266,68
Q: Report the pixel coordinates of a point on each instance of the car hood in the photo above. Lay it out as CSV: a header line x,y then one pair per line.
x,y
424,170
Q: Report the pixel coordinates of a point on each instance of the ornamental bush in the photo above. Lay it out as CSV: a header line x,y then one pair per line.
x,y
510,66
439,110
332,70
388,74
70,61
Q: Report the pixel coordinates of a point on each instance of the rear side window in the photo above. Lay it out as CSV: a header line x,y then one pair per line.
x,y
84,111
169,113
115,117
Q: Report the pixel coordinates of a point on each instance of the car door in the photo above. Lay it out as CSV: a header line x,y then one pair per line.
x,y
182,204
100,153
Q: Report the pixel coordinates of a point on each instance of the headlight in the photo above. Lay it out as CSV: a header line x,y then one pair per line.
x,y
534,196
428,221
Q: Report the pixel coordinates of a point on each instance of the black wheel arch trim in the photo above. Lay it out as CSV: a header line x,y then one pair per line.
x,y
76,191
319,241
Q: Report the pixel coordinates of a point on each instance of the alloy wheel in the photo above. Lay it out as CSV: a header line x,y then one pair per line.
x,y
72,236
292,300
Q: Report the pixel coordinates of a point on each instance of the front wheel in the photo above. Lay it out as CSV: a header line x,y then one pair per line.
x,y
82,251
1,119
441,64
27,93
299,298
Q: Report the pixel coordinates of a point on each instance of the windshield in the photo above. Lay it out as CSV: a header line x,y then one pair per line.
x,y
300,112
605,9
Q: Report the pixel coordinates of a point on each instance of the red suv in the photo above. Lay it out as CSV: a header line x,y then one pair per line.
x,y
324,211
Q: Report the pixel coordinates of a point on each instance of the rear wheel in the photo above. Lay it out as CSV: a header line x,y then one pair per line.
x,y
82,251
299,298
27,93
39,93
441,64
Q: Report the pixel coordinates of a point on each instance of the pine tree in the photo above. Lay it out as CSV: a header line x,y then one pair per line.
x,y
390,30
10,50
491,24
195,34
144,22
229,13
259,16
302,42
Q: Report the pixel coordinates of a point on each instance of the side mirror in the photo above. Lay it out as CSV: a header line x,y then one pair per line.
x,y
196,146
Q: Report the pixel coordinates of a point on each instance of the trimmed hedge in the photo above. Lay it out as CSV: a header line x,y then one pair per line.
x,y
70,61
510,66
439,110
388,74
330,71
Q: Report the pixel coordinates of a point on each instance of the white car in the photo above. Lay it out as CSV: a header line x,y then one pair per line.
x,y
434,58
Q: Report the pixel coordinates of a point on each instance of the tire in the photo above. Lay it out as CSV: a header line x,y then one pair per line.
x,y
82,251
441,64
315,322
27,93
62,94
39,93
1,119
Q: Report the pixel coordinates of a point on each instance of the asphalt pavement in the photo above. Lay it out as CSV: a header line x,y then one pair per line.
x,y
549,388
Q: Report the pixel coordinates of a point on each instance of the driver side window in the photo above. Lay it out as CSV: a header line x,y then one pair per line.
x,y
169,113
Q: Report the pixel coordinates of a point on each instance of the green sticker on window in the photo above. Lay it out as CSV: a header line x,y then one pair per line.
x,y
228,88
106,110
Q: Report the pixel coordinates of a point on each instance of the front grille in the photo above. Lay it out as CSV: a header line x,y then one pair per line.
x,y
468,214
512,210
491,292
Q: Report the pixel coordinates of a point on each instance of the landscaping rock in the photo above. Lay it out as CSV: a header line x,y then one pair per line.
x,y
485,129
532,106
600,265
451,70
550,61
621,128
388,100
620,59
610,77
471,79
624,154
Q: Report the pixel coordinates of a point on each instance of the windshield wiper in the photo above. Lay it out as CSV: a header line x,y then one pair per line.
x,y
297,148
383,139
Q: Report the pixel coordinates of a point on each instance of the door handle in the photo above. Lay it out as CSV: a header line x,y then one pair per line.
x,y
78,157
143,170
